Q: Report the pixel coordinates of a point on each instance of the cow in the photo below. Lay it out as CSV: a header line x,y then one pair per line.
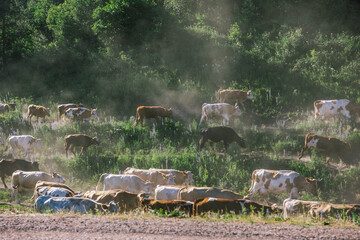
x,y
193,193
331,108
168,206
281,181
326,144
8,166
167,192
37,111
326,209
81,113
7,107
54,189
180,177
130,183
125,201
79,140
238,206
63,107
146,112
24,142
26,180
217,134
293,206
224,110
235,96
153,176
72,204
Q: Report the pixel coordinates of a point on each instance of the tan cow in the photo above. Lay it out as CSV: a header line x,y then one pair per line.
x,y
181,177
193,193
331,108
146,112
153,176
235,96
38,112
224,110
326,144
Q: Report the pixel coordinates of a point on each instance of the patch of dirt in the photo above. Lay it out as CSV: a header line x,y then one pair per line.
x,y
44,226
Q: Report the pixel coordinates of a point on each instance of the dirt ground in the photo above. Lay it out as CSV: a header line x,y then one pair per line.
x,y
58,226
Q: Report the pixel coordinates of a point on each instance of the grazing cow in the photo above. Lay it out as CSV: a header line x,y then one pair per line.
x,y
224,110
125,201
54,189
235,96
38,112
281,181
130,183
167,192
24,142
72,204
81,113
193,193
331,108
326,144
169,206
293,206
6,107
217,134
181,177
227,205
326,209
24,180
8,166
145,112
79,140
63,107
155,177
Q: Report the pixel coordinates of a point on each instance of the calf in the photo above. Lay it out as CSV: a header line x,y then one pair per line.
x,y
130,183
235,96
153,176
8,166
38,112
63,107
281,181
81,113
72,204
79,140
146,112
169,206
331,108
293,206
54,189
326,144
224,110
24,180
23,142
193,193
217,134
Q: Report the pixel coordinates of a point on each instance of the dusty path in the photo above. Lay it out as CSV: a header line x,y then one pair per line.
x,y
36,226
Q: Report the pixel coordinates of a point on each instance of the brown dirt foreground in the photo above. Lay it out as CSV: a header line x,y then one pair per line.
x,y
44,226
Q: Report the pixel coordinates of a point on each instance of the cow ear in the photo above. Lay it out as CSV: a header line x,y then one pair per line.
x,y
54,174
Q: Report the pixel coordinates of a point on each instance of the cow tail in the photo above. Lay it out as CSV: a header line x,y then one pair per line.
x,y
137,118
7,143
100,179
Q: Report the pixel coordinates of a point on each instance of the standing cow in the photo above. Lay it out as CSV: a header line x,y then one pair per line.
x,y
224,110
7,107
8,166
38,112
81,113
63,107
235,96
23,142
79,140
146,112
217,134
331,108
130,183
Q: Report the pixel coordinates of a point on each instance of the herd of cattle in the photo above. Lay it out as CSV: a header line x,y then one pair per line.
x,y
171,189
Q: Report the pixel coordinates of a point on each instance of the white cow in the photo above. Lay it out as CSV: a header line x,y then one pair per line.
x,y
26,180
81,113
72,204
167,193
292,206
331,108
130,183
181,177
224,110
153,176
23,142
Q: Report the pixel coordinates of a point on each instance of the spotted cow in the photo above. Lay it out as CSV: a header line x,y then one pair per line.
x,y
331,108
224,110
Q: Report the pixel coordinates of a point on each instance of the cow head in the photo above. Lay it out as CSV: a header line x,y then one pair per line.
x,y
148,187
35,166
38,143
94,113
111,207
170,179
168,113
250,95
95,140
57,178
311,185
241,142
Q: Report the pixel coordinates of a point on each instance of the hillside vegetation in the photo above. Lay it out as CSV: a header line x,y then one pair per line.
x,y
116,55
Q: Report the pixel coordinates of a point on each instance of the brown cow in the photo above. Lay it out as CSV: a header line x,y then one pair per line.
x,y
38,112
326,144
234,96
79,140
63,107
169,206
8,166
145,112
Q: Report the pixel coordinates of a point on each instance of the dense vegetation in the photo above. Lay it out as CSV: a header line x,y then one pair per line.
x,y
116,55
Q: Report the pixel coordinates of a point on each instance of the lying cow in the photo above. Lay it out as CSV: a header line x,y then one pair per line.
x,y
63,107
7,107
169,206
146,112
224,110
167,192
294,206
153,176
81,113
24,180
281,181
180,177
37,111
331,108
8,166
23,142
130,183
326,144
79,140
238,206
193,193
326,209
126,201
72,204
217,134
53,189
235,96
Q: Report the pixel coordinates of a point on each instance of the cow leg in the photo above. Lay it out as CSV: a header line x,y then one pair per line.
x,y
72,149
66,149
302,152
226,120
202,119
201,143
226,145
82,150
3,180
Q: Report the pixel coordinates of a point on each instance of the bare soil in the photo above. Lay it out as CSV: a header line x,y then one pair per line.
x,y
73,226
